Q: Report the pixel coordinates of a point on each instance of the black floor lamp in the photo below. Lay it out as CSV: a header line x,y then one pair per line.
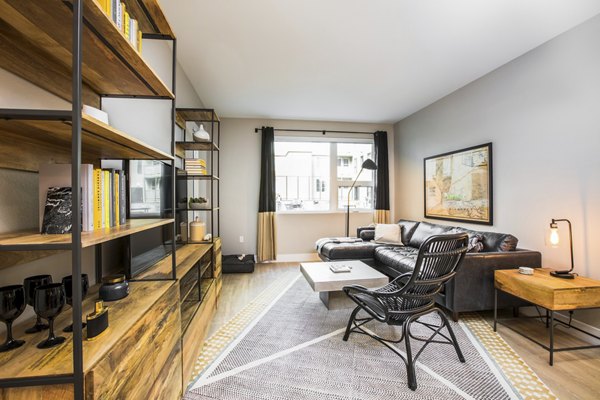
x,y
367,164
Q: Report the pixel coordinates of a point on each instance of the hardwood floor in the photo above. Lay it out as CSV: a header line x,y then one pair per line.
x,y
575,375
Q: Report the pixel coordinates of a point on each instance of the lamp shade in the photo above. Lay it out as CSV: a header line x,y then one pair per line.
x,y
369,164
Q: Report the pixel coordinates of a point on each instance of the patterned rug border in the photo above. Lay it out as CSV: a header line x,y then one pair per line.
x,y
523,381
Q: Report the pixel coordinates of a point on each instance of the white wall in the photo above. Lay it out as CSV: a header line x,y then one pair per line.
x,y
542,113
240,179
148,120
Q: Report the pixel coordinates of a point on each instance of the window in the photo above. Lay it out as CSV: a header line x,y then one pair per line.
x,y
313,175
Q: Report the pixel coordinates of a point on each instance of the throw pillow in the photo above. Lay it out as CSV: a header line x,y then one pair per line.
x,y
388,234
475,243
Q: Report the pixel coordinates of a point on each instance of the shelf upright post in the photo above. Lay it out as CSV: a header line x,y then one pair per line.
x,y
76,196
219,181
173,169
212,172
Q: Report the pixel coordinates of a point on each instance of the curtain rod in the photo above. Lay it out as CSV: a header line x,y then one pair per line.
x,y
323,131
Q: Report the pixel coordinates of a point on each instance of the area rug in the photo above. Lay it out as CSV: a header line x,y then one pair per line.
x,y
287,345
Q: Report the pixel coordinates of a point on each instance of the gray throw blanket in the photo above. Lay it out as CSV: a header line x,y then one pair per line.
x,y
322,242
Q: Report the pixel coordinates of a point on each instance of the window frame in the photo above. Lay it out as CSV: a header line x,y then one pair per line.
x,y
334,183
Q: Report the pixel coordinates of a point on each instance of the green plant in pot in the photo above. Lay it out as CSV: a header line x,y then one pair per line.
x,y
198,203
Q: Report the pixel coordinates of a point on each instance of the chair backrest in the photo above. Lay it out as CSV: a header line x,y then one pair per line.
x,y
436,264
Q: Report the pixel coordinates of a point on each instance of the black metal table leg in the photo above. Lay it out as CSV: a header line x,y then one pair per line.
x,y
495,308
547,319
551,337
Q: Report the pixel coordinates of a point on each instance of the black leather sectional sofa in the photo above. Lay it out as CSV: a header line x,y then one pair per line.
x,y
473,287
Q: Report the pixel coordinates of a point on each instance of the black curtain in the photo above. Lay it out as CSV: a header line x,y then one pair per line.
x,y
267,249
266,200
382,178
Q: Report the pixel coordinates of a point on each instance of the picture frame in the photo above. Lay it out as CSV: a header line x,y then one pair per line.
x,y
458,185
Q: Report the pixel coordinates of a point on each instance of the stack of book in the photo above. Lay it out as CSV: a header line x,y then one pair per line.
x,y
195,166
117,11
103,194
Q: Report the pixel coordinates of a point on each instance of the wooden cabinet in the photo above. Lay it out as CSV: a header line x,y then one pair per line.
x,y
139,354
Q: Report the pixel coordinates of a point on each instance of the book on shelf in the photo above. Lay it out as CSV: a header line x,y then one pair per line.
x,y
57,211
59,175
117,11
98,199
122,198
106,198
195,166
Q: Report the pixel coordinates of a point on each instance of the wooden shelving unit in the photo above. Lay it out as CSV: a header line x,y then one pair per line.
x,y
72,49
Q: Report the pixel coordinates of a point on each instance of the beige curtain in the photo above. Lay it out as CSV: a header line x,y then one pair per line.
x,y
267,245
381,216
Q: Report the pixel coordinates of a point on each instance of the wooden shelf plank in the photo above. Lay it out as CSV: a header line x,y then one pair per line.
x,y
197,115
195,146
111,65
50,141
186,257
13,241
29,361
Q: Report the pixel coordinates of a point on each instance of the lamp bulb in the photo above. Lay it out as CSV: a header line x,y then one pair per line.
x,y
554,237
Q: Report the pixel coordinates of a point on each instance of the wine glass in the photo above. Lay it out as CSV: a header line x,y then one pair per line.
x,y
48,302
30,284
67,282
12,304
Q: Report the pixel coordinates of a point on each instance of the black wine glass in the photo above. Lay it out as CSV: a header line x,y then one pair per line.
x,y
30,284
68,284
48,302
12,304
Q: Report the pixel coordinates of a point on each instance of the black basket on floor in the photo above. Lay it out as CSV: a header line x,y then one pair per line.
x,y
232,264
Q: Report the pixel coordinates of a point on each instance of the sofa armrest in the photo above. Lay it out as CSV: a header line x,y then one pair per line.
x,y
366,233
473,286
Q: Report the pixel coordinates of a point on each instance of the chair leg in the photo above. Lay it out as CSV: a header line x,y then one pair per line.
x,y
452,336
350,321
410,364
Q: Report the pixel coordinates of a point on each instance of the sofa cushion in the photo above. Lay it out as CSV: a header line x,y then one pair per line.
x,y
387,234
407,229
399,258
493,241
348,251
425,230
475,239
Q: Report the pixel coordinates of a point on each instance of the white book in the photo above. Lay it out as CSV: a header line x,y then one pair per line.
x,y
59,175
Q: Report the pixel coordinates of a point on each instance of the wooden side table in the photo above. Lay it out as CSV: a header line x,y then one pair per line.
x,y
552,294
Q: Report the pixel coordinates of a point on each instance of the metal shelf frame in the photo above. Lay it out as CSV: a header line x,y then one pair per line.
x,y
75,117
213,177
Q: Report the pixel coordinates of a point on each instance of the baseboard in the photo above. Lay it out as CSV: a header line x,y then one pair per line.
x,y
530,311
301,257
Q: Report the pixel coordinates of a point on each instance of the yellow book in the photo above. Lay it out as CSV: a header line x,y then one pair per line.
x,y
126,24
97,199
123,13
116,183
139,43
106,195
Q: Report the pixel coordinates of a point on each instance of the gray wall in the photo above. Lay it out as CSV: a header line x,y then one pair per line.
x,y
542,113
240,178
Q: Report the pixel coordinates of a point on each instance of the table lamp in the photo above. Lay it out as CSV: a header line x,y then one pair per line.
x,y
554,240
367,164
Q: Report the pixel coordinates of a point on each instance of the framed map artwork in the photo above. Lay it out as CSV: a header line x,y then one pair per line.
x,y
458,185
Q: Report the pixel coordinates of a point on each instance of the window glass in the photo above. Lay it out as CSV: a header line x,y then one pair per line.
x,y
302,176
350,159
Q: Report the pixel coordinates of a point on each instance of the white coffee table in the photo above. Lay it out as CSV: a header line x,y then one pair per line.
x,y
330,284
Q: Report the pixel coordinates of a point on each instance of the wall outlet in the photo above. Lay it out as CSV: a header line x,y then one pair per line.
x,y
241,239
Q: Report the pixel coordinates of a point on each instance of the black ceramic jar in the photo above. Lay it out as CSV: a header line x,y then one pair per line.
x,y
114,287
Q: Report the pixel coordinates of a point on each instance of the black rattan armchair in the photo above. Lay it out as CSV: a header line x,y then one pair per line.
x,y
410,297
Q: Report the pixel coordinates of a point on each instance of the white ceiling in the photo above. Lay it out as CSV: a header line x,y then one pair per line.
x,y
353,60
